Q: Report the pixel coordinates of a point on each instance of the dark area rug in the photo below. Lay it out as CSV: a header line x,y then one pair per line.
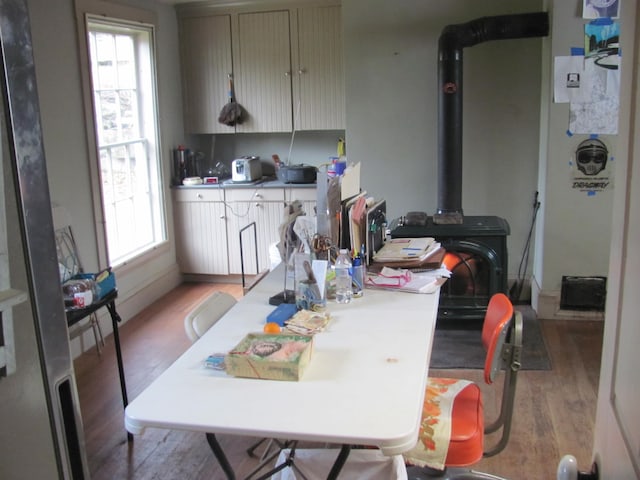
x,y
457,344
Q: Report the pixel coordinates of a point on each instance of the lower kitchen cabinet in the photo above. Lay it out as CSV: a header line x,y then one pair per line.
x,y
208,224
201,231
264,206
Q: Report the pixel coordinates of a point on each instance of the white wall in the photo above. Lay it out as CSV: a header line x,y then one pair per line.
x,y
392,118
575,230
509,150
55,48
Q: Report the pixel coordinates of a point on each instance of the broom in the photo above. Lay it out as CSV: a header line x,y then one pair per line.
x,y
232,113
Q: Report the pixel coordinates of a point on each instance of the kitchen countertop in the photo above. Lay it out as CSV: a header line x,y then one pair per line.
x,y
265,182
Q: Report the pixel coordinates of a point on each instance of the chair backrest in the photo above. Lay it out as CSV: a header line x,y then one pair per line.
x,y
67,251
496,325
202,317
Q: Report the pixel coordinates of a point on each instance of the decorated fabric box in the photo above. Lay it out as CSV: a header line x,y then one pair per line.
x,y
105,282
83,289
270,356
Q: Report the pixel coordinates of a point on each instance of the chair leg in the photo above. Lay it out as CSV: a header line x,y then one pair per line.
x,y
97,333
266,459
251,450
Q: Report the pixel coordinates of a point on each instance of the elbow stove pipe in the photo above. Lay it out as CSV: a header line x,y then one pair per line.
x,y
452,41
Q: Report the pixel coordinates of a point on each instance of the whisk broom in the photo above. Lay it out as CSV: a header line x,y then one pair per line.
x,y
232,113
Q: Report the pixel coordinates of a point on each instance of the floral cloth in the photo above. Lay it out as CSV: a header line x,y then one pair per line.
x,y
435,426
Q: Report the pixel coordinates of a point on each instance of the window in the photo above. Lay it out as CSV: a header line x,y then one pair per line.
x,y
122,72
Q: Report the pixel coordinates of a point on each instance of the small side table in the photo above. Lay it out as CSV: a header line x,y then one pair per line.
x,y
74,315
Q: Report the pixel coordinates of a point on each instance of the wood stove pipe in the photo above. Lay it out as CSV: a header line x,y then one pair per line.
x,y
450,45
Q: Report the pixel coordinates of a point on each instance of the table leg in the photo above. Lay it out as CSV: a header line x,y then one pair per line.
x,y
115,319
289,462
339,463
220,456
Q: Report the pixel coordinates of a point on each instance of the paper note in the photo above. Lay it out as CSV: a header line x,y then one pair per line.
x,y
350,185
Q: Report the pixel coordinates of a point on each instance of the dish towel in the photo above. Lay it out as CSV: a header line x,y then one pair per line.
x,y
435,426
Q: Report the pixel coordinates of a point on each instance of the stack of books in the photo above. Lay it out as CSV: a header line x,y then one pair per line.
x,y
422,253
408,265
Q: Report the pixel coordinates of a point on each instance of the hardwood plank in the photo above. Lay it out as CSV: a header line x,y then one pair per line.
x,y
555,410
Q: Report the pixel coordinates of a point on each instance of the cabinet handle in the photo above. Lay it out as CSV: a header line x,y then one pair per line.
x,y
199,195
287,73
257,195
222,217
259,205
302,71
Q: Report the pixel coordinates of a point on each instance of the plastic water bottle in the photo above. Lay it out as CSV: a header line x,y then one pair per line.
x,y
343,277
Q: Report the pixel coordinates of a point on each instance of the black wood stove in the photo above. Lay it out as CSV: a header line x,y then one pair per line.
x,y
477,258
476,245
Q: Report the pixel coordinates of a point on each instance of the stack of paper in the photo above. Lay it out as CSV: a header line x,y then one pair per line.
x,y
306,322
406,281
411,250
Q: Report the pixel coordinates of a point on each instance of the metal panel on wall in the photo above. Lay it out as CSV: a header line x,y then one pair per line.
x,y
41,434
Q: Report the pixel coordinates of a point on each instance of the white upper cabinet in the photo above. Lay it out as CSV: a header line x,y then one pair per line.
x,y
206,65
287,66
263,71
318,76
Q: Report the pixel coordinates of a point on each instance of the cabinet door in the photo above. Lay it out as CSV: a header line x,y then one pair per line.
x,y
319,78
265,208
263,71
201,233
206,66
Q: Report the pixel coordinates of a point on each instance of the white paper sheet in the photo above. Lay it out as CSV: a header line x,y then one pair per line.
x,y
571,83
599,115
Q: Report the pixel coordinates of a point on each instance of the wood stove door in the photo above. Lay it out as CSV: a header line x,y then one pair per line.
x,y
476,274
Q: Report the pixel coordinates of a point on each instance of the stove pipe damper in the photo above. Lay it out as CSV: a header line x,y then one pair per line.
x,y
450,45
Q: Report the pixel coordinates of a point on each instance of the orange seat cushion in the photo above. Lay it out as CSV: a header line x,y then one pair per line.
x,y
467,428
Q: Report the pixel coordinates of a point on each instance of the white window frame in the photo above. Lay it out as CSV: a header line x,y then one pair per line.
x,y
97,10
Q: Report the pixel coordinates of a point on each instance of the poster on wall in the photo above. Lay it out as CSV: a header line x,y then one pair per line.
x,y
602,43
590,83
600,8
571,83
599,114
591,167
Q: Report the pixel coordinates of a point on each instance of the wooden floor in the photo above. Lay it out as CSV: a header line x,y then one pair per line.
x,y
555,409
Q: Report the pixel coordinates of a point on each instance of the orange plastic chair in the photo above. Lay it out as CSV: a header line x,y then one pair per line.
x,y
502,340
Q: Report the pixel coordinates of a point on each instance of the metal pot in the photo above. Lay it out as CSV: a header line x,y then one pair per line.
x,y
297,173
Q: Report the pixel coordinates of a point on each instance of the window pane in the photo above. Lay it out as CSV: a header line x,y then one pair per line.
x,y
128,114
106,105
105,61
121,59
126,62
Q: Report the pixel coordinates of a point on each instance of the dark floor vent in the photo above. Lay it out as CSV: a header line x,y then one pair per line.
x,y
583,293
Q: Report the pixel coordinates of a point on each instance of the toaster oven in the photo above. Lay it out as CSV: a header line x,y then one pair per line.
x,y
246,169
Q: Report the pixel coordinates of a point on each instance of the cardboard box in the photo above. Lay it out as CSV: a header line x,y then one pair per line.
x,y
270,356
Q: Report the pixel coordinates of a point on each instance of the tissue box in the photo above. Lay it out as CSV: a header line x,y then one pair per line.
x,y
270,356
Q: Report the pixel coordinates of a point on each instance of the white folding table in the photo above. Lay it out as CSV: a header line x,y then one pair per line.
x,y
364,385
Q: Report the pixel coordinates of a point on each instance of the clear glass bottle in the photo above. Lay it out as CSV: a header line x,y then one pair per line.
x,y
344,273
